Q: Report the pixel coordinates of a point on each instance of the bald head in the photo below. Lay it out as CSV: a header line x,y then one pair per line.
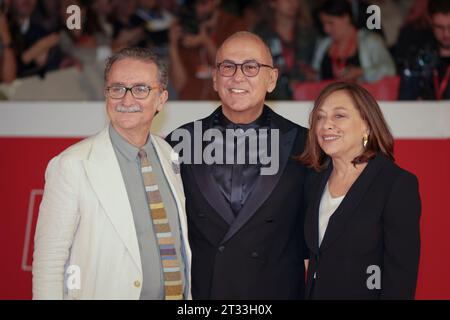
x,y
243,95
249,39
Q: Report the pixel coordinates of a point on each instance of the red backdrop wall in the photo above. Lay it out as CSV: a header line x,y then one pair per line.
x,y
23,162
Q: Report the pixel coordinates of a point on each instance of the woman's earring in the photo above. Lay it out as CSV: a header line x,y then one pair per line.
x,y
365,140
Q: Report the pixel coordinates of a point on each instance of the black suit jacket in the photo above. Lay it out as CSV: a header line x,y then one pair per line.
x,y
377,223
260,254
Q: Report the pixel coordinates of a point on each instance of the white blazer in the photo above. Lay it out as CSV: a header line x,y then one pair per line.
x,y
86,224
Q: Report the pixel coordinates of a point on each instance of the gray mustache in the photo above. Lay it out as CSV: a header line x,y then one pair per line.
x,y
128,109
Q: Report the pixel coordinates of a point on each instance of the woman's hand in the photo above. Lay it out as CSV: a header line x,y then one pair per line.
x,y
350,73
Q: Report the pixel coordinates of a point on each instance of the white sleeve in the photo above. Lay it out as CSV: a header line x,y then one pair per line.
x,y
55,229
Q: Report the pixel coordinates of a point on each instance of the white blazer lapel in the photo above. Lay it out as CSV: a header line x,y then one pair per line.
x,y
104,174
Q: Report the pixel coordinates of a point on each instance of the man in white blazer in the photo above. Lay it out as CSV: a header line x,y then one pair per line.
x,y
95,236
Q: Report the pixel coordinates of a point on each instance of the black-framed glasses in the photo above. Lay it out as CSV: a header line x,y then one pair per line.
x,y
139,91
248,68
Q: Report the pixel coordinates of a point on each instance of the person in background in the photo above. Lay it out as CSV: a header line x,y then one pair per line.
x,y
348,53
36,50
76,43
362,224
414,34
426,70
194,39
128,28
8,67
47,13
392,17
288,31
157,23
98,27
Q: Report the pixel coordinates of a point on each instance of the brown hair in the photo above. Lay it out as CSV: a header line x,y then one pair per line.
x,y
380,138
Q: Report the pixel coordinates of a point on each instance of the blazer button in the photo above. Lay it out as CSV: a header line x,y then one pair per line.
x,y
221,248
255,255
137,283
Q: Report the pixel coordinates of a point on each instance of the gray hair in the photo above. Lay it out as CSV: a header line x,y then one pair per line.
x,y
141,54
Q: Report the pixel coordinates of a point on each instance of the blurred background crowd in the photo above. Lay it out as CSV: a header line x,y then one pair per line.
x,y
312,41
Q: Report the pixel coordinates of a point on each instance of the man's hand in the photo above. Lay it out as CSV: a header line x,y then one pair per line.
x,y
39,51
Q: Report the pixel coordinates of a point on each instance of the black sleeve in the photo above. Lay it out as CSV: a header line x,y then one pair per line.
x,y
307,187
401,219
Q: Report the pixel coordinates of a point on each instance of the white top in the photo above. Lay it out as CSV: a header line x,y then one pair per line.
x,y
327,207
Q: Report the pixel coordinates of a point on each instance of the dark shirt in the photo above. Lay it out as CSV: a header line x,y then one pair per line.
x,y
25,41
134,22
326,70
236,181
417,70
288,57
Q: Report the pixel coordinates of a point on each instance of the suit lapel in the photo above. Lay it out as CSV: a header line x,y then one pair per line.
x,y
206,182
348,206
212,193
312,213
264,186
104,174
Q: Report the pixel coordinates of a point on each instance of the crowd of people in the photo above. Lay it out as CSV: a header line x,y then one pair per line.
x,y
309,40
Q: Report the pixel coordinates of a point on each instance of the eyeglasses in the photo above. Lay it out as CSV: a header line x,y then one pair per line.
x,y
248,68
139,91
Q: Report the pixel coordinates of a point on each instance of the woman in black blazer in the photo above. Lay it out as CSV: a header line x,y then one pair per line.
x,y
362,224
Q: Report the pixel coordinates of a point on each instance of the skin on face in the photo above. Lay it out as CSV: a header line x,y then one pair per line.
x,y
287,8
243,97
340,127
441,29
129,72
336,27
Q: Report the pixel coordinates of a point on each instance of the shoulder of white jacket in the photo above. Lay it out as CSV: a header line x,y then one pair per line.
x,y
162,144
167,154
365,36
82,149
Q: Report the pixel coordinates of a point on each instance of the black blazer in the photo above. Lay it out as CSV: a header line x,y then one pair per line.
x,y
260,254
377,223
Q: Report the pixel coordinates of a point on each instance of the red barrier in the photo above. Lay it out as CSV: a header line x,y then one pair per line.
x,y
24,160
385,89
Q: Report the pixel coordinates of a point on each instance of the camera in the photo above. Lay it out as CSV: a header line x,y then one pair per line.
x,y
416,72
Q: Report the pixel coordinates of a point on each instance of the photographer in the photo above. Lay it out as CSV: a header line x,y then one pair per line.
x,y
425,72
194,40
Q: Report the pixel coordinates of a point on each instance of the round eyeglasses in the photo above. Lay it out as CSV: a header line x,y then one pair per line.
x,y
139,91
248,68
